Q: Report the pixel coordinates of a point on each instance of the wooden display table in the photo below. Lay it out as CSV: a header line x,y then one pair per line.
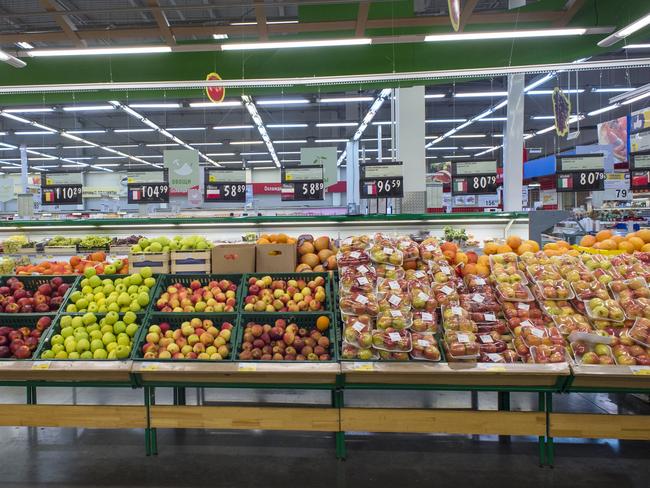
x,y
57,371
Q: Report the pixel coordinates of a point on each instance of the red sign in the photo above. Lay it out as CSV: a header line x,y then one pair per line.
x,y
216,94
267,188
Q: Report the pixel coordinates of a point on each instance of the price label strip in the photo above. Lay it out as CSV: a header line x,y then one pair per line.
x,y
383,180
474,178
580,173
302,183
59,188
224,185
148,187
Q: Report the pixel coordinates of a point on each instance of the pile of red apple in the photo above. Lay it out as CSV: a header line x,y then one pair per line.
x,y
21,343
216,296
268,295
283,342
16,298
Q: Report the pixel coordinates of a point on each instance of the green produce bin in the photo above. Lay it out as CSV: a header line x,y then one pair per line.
x,y
32,282
16,321
329,303
165,280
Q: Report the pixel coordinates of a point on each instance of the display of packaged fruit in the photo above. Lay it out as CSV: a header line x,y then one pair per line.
x,y
640,332
488,344
631,288
479,302
425,347
383,239
393,356
362,278
357,303
458,322
635,308
604,309
536,336
557,308
386,254
508,260
520,348
424,322
572,323
430,251
529,258
354,243
588,353
453,312
577,273
514,292
477,284
422,298
445,293
395,301
464,337
611,328
541,272
389,271
500,327
357,330
392,340
418,275
506,356
547,354
352,258
461,351
606,275
385,286
522,310
500,275
409,249
352,352
629,353
557,289
394,319
586,290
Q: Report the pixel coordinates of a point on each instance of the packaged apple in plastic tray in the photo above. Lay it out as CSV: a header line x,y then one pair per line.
x,y
424,321
522,310
522,350
453,312
631,288
572,323
395,319
362,278
352,258
389,271
628,352
393,356
354,243
386,254
514,292
611,328
460,325
500,327
383,239
557,308
547,354
395,300
392,340
586,290
418,276
500,275
356,303
540,272
479,302
355,326
441,270
538,257
488,343
537,336
385,286
445,293
477,284
352,352
589,353
460,351
430,250
610,274
635,308
604,310
503,357
557,289
640,332
624,258
508,260
409,248
422,298
425,347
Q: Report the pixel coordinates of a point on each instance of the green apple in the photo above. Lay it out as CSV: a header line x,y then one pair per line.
x,y
111,318
86,355
96,334
111,346
83,345
96,344
61,355
108,338
100,354
66,321
129,318
89,319
123,340
112,354
131,330
48,355
75,296
89,271
149,282
67,332
119,327
71,346
134,307
123,299
71,308
57,348
73,355
57,339
146,272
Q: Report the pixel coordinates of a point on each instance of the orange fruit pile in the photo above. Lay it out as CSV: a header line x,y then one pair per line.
x,y
608,241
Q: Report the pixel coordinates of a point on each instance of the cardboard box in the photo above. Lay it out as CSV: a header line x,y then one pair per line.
x,y
157,261
276,258
233,258
190,262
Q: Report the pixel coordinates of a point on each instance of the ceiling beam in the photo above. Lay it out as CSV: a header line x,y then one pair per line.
x,y
466,13
161,20
64,22
571,8
362,18
260,18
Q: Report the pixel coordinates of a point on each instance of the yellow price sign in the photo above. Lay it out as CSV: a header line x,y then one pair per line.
x,y
640,371
150,367
363,366
246,367
41,365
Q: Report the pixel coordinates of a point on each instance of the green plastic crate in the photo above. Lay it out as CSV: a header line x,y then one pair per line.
x,y
16,321
302,320
329,302
166,280
32,282
175,320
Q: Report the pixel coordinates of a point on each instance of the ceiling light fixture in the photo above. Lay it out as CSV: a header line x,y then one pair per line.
x,y
91,131
269,22
219,36
11,60
428,96
102,51
284,101
252,111
637,46
88,108
517,34
224,104
625,31
28,110
286,126
613,90
154,105
336,124
550,92
481,94
182,129
444,121
346,99
24,45
295,44
603,110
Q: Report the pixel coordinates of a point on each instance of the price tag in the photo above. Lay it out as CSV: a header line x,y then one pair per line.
x,y
355,254
523,306
527,323
423,343
41,365
640,370
429,248
457,310
150,367
394,336
537,332
362,280
394,285
479,281
363,366
396,313
446,270
423,296
302,183
394,300
486,339
495,358
388,250
462,338
246,367
478,298
446,290
382,180
224,185
362,269
361,299
358,326
490,317
419,274
427,317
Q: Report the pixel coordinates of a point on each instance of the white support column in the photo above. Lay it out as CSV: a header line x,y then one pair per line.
x,y
410,146
352,176
513,145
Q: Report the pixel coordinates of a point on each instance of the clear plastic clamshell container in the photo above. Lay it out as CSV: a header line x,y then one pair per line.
x,y
514,292
425,347
558,289
424,321
640,332
392,341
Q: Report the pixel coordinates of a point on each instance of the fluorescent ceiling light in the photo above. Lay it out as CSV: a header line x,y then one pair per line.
x,y
28,110
286,126
466,136
296,44
232,127
34,133
11,60
517,34
99,51
180,129
493,119
120,131
434,95
153,156
154,105
481,94
288,152
268,22
285,101
45,167
383,122
227,103
544,131
625,31
77,147
42,148
207,144
441,148
243,143
603,110
470,148
636,99
543,117
613,90
110,165
91,131
230,162
456,156
331,140
637,46
336,124
24,45
110,157
79,158
225,154
444,121
88,108
162,144
219,36
550,92
121,146
291,141
346,99
497,135
263,153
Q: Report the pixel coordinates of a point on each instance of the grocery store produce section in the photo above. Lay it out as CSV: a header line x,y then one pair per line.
x,y
366,311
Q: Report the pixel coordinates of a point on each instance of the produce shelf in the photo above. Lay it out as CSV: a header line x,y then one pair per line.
x,y
166,280
32,282
329,302
596,378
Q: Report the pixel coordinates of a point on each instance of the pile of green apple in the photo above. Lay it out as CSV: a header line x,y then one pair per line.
x,y
83,337
97,295
165,244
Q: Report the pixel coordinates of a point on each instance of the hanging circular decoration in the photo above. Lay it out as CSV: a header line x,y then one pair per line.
x,y
454,13
216,94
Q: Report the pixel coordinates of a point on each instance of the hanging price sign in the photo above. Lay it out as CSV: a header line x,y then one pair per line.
x,y
580,173
381,180
474,178
302,183
151,186
224,185
61,188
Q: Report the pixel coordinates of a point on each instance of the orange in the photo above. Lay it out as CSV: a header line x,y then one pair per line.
x,y
587,241
534,244
637,242
490,248
322,323
563,244
483,261
626,246
263,240
618,238
282,238
608,245
551,246
629,235
646,248
603,234
514,242
644,234
450,255
503,248
448,246
525,247
482,270
469,269
461,257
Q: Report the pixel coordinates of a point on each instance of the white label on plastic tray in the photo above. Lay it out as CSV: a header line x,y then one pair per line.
x,y
446,270
523,306
394,336
396,313
347,240
462,338
527,323
388,250
446,290
495,358
423,296
362,280
486,339
361,299
489,317
478,298
457,310
355,254
430,248
358,326
362,269
423,343
537,332
394,300
394,285
419,274
427,317
479,281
